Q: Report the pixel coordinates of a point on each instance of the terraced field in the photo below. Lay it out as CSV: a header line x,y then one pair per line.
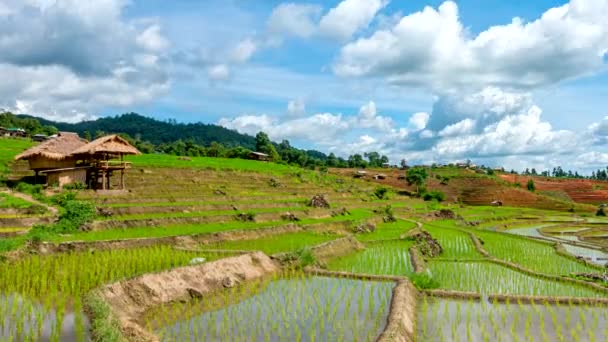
x,y
184,253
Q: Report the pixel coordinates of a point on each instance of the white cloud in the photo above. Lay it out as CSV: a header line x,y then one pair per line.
x,y
243,51
465,126
296,107
350,16
431,48
219,72
68,59
152,40
418,121
290,19
369,118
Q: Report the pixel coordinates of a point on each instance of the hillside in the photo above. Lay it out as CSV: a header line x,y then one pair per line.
x,y
156,131
578,190
467,187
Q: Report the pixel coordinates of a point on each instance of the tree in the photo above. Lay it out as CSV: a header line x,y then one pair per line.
x,y
416,176
403,164
332,161
264,145
531,186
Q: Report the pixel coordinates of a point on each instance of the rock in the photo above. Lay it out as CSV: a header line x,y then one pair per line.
x,y
184,158
194,294
219,192
340,212
104,212
290,217
365,227
445,213
228,282
319,201
428,246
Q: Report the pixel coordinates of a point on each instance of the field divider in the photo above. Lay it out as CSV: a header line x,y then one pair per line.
x,y
524,270
514,299
46,248
559,249
417,260
478,245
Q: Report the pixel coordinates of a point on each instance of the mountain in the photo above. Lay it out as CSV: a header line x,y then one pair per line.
x,y
155,131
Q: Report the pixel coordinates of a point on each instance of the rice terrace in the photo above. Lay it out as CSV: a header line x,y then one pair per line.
x,y
204,248
303,171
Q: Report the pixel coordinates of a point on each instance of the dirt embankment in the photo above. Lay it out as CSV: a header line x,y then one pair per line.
x,y
335,248
401,325
130,299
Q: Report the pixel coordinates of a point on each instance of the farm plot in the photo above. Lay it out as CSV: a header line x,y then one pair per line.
x,y
456,244
489,278
299,308
385,258
276,243
534,255
42,294
457,320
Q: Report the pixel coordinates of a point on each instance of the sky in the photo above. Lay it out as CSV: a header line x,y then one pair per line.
x,y
519,84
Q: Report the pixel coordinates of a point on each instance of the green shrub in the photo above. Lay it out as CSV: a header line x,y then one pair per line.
x,y
74,186
530,185
424,281
439,196
600,212
305,257
63,198
245,217
29,188
381,192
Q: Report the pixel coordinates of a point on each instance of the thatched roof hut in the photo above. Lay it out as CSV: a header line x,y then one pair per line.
x,y
111,145
53,153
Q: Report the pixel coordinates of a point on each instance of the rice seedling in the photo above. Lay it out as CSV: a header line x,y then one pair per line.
x,y
456,244
535,255
489,278
296,308
383,258
484,321
276,243
40,295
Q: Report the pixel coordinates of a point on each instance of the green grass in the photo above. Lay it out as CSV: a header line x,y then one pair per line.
x,y
382,258
456,244
177,230
387,231
167,161
8,201
488,278
9,148
534,255
276,243
201,213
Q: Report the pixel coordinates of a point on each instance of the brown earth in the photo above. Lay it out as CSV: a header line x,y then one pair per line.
x,y
579,190
470,189
130,299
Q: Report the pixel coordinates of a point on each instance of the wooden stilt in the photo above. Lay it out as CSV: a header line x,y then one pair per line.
x,y
103,180
122,179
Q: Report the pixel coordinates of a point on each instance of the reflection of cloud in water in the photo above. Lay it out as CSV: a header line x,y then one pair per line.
x,y
29,320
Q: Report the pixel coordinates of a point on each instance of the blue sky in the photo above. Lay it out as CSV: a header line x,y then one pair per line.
x,y
505,83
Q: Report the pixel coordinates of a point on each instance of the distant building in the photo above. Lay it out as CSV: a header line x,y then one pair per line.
x,y
12,132
67,159
259,156
40,137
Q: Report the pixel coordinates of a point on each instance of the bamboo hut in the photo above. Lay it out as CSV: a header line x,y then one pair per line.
x,y
67,159
98,154
55,155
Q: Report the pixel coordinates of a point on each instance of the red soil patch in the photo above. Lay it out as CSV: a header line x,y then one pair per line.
x,y
468,188
579,190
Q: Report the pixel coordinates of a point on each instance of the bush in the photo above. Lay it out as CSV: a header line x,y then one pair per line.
x,y
74,186
600,212
434,195
63,198
245,217
424,281
29,188
381,192
530,185
490,172
305,257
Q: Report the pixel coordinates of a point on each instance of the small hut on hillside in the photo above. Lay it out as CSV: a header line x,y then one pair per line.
x,y
98,154
259,156
55,154
68,159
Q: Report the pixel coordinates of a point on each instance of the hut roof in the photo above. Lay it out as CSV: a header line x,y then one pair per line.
x,y
111,144
57,148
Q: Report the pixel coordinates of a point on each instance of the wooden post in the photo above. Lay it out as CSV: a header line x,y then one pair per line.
x,y
103,180
122,179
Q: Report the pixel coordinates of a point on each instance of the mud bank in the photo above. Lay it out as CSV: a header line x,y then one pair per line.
x,y
401,325
128,300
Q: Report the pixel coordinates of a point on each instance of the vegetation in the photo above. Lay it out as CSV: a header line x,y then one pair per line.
x,y
530,185
417,176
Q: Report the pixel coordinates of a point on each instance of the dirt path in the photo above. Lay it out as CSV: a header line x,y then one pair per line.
x,y
29,198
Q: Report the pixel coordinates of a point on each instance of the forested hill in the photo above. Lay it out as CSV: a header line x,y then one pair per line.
x,y
155,131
